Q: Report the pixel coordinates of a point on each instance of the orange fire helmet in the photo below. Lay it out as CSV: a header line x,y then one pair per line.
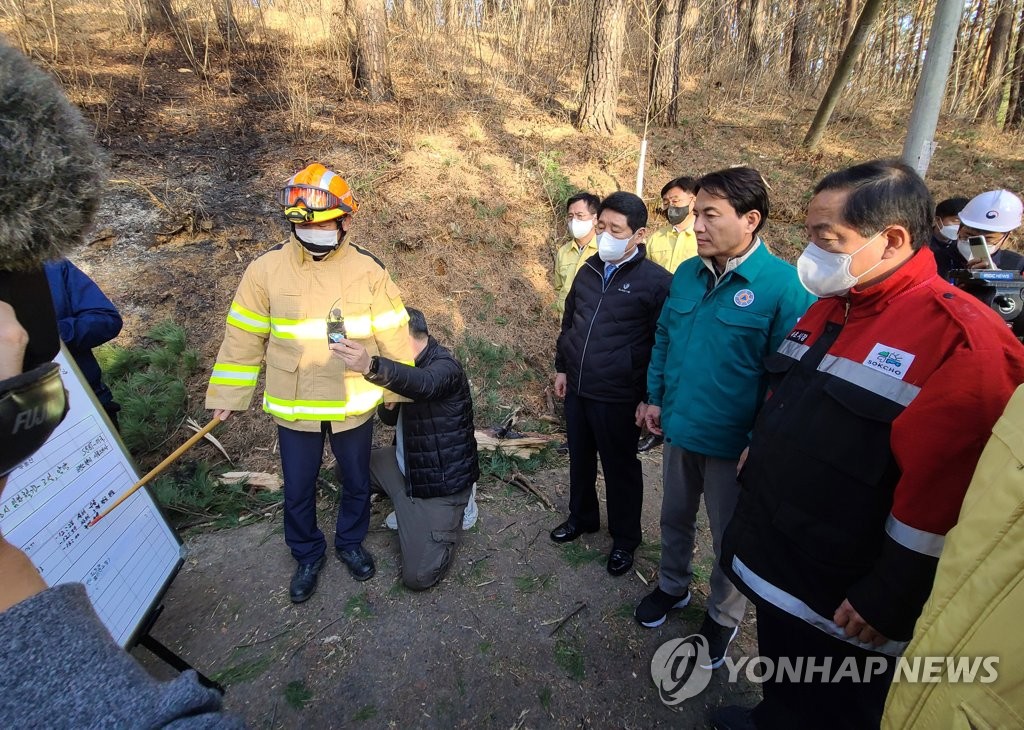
x,y
316,194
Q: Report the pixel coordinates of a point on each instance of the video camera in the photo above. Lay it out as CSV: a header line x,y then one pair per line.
x,y
1003,291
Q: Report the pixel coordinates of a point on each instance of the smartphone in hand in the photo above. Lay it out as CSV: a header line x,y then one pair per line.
x,y
979,250
335,327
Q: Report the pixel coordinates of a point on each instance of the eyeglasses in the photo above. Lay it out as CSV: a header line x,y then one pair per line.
x,y
311,197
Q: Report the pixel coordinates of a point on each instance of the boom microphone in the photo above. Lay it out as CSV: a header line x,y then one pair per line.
x,y
50,167
51,174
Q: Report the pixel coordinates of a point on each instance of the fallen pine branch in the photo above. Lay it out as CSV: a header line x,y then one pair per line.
x,y
195,427
518,480
580,607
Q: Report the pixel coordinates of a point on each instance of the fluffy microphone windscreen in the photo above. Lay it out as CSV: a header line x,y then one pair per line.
x,y
51,170
50,183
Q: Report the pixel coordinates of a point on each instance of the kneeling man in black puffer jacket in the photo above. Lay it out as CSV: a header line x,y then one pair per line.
x,y
430,471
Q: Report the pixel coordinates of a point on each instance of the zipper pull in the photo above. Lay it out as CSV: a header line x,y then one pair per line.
x,y
846,312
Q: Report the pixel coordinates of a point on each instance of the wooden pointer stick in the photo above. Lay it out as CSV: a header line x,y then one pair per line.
x,y
159,468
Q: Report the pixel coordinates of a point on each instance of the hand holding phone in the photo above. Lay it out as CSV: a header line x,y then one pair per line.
x,y
979,251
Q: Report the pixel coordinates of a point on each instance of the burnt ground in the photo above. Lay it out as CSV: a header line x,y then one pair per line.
x,y
477,650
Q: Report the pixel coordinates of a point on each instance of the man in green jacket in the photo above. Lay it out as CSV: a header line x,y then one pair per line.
x,y
728,308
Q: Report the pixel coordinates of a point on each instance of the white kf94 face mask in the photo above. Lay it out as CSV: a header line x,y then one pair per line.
x,y
950,232
610,248
317,237
827,274
580,229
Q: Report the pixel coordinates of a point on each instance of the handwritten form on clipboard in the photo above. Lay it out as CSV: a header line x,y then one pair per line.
x,y
126,559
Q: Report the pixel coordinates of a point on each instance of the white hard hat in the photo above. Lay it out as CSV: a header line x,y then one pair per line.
x,y
998,211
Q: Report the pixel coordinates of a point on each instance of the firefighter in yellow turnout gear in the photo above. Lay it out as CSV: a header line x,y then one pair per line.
x,y
281,314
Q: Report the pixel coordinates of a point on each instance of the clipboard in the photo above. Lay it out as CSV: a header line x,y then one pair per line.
x,y
126,561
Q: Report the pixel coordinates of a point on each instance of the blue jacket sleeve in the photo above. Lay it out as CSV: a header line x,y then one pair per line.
x,y
85,316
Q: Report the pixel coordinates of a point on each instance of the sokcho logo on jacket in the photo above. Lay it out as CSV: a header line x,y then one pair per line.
x,y
894,363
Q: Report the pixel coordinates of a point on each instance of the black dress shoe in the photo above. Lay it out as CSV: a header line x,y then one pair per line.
x,y
620,561
358,561
567,532
304,580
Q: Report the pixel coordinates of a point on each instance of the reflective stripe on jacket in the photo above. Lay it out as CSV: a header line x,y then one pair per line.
x,y
881,403
279,315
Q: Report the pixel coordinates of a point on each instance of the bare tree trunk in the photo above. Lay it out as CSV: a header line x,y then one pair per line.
x,y
403,12
719,27
799,38
993,81
526,29
490,10
920,18
969,52
227,26
755,34
158,16
664,80
1015,110
843,71
894,48
849,19
371,68
604,65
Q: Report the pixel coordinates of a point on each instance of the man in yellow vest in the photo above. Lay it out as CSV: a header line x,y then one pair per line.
x,y
675,242
314,289
581,217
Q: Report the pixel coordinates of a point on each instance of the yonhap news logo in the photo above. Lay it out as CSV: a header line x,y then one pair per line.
x,y
680,670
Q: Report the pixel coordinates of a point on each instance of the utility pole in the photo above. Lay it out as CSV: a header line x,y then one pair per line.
x,y
920,141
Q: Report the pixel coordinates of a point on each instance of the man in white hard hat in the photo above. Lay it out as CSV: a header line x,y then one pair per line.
x,y
994,215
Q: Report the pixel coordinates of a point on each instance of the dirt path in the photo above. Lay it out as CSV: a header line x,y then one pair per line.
x,y
475,651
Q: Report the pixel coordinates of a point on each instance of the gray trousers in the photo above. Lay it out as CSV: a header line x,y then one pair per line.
x,y
685,476
428,529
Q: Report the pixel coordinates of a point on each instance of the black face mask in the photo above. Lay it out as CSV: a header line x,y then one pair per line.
x,y
677,215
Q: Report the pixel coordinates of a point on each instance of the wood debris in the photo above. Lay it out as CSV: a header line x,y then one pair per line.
x,y
253,479
523,445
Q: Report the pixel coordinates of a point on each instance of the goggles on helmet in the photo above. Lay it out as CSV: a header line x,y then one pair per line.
x,y
312,198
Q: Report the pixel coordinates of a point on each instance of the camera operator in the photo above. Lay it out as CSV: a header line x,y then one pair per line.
x,y
993,215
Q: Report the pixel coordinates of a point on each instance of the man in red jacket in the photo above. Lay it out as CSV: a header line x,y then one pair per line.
x,y
882,398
